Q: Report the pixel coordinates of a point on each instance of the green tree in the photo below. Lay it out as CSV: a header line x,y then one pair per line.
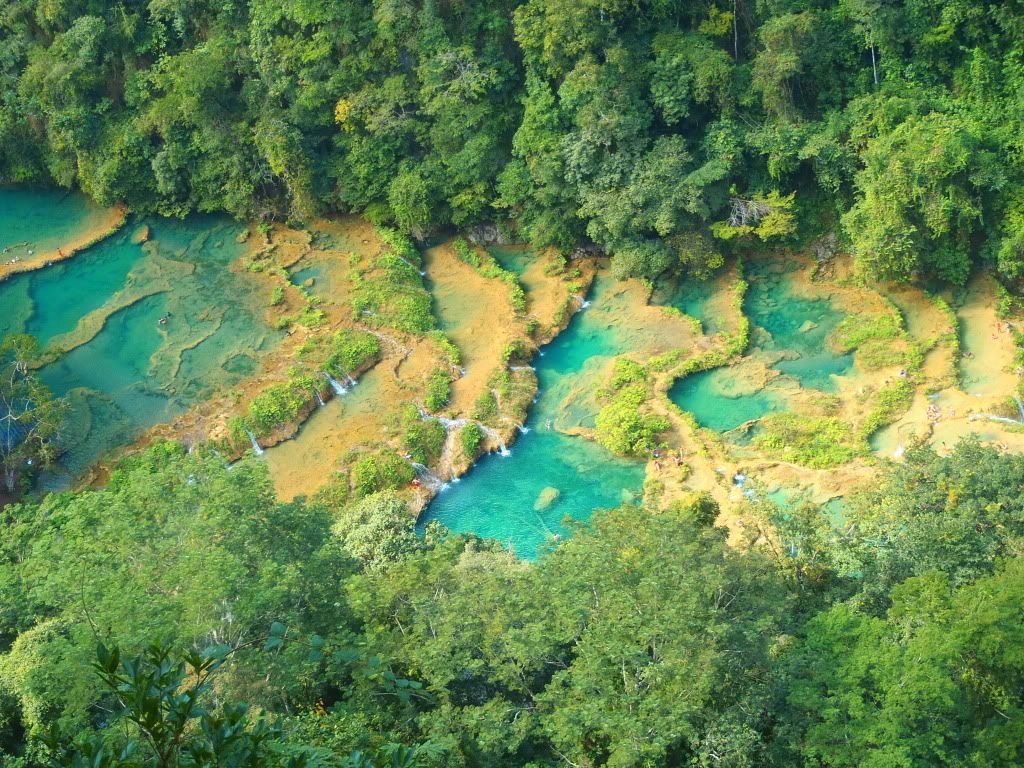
x,y
30,417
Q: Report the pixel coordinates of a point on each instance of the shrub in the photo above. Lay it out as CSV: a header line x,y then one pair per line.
x,y
855,330
889,403
486,407
424,440
380,471
277,296
470,438
516,350
279,404
439,390
815,442
448,348
352,351
626,371
622,426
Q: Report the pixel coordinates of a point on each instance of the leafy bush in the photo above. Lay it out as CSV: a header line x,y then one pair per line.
x,y
815,442
626,371
352,351
623,427
889,403
279,404
486,407
439,390
470,438
451,352
381,471
516,350
424,440
855,330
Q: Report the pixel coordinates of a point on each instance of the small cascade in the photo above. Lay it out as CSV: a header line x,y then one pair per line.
x,y
522,429
521,368
423,272
1020,407
319,397
991,417
255,445
337,386
502,448
351,382
584,305
429,479
448,424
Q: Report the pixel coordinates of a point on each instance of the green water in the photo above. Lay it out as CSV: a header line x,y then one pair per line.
x,y
798,327
691,297
708,397
515,258
126,371
42,220
499,497
790,329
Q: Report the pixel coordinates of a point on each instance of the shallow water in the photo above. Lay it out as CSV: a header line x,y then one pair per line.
x,y
692,298
711,397
45,219
516,258
121,369
509,498
787,329
796,326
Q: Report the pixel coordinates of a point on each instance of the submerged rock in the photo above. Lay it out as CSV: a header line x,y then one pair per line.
x,y
141,235
546,498
309,282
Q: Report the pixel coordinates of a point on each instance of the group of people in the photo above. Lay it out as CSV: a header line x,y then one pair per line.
x,y
676,456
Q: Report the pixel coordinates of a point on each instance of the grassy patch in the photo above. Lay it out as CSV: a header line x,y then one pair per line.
x,y
424,439
380,471
815,442
439,390
352,351
470,439
888,404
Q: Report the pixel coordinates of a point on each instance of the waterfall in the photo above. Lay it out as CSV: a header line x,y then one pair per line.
x,y
255,445
522,430
432,480
336,385
502,448
450,424
351,382
521,368
319,398
990,417
1020,408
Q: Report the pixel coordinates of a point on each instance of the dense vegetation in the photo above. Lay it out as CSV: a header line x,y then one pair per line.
x,y
663,131
181,616
329,633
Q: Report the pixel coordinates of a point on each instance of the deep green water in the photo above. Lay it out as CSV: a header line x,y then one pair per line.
x,y
45,219
136,372
789,328
499,497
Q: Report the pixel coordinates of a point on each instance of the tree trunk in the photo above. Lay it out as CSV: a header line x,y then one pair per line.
x,y
736,30
10,476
